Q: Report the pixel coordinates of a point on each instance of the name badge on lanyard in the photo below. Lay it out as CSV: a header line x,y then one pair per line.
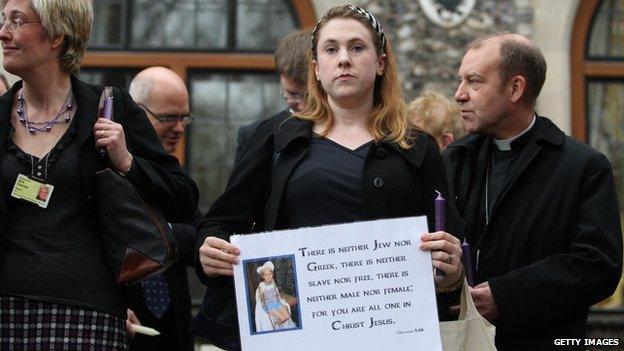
x,y
30,190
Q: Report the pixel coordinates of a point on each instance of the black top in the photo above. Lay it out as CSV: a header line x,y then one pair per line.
x,y
326,187
52,254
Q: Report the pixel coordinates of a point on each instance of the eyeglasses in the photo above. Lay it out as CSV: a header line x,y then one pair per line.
x,y
295,97
14,23
170,119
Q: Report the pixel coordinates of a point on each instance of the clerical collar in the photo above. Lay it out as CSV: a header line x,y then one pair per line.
x,y
505,144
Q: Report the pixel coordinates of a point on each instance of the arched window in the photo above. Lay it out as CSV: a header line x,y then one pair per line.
x,y
597,61
224,51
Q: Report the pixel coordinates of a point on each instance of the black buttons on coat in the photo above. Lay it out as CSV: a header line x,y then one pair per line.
x,y
381,152
378,182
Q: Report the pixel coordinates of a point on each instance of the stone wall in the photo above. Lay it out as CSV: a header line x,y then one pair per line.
x,y
429,55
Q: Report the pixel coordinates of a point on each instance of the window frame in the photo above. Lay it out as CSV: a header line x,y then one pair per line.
x,y
583,69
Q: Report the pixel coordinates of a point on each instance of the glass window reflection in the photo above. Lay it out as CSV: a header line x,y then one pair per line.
x,y
607,32
222,103
192,25
109,24
117,77
605,132
254,32
199,24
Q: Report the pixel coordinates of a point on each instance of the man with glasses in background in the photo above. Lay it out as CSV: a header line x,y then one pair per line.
x,y
163,96
291,64
164,302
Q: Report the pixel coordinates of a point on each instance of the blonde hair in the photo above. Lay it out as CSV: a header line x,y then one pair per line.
x,y
436,115
69,18
388,119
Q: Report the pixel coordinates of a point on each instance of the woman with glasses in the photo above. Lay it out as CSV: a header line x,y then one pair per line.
x,y
56,292
349,155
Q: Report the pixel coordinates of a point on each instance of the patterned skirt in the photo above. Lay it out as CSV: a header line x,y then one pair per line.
x,y
27,324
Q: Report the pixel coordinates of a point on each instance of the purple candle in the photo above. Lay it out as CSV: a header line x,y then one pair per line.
x,y
107,113
467,261
440,213
107,110
440,221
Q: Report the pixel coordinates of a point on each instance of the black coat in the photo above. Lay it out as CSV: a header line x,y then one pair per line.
x,y
395,183
553,246
242,138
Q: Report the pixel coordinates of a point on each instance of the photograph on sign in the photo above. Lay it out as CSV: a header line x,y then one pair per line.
x,y
271,285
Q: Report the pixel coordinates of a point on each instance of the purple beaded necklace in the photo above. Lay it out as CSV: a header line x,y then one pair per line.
x,y
45,126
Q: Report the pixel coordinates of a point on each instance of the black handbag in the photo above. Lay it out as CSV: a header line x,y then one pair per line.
x,y
136,238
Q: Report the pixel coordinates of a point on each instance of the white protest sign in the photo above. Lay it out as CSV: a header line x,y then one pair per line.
x,y
358,286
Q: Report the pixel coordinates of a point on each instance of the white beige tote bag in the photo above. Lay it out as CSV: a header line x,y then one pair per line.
x,y
471,332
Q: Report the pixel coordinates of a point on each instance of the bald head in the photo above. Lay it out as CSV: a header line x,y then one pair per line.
x,y
519,56
162,93
156,81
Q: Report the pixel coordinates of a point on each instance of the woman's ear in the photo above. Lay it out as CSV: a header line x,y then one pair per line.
x,y
57,41
381,64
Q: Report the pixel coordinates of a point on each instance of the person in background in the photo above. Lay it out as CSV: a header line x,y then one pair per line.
x,y
292,67
436,115
540,208
56,290
163,96
348,155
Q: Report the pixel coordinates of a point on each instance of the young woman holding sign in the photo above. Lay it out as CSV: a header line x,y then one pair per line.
x,y
350,155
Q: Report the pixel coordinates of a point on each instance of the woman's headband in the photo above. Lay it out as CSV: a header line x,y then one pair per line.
x,y
371,19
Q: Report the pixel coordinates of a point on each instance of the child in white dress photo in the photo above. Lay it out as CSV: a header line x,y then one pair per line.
x,y
272,311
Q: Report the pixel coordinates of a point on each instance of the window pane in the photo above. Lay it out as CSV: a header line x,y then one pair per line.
x,y
117,77
254,31
109,20
606,125
222,103
190,24
605,132
607,33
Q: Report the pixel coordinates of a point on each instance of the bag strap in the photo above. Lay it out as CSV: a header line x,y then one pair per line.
x,y
467,307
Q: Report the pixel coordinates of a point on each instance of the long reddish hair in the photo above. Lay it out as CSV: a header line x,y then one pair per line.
x,y
388,120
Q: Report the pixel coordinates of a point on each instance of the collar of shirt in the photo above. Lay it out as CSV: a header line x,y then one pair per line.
x,y
505,144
